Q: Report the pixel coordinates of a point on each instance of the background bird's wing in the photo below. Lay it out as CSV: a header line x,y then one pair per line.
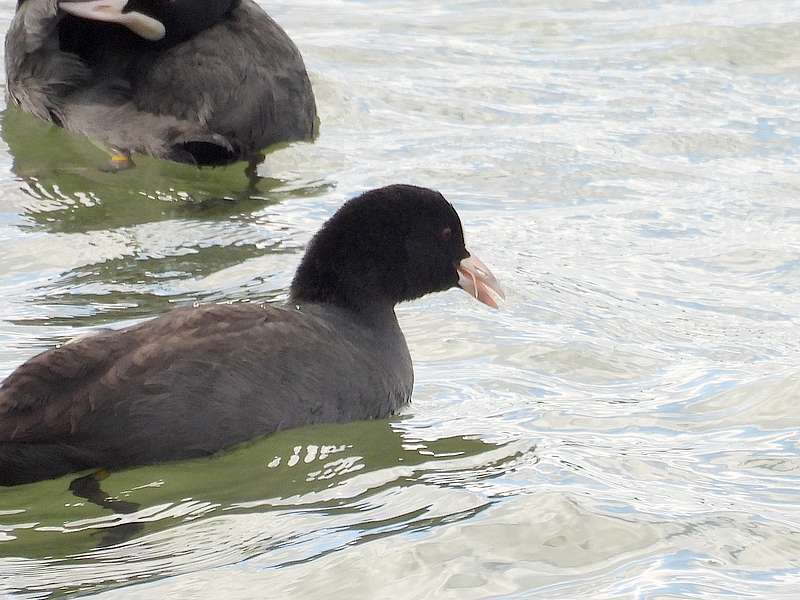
x,y
40,76
243,79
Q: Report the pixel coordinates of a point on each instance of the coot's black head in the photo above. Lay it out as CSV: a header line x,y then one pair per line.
x,y
390,245
159,21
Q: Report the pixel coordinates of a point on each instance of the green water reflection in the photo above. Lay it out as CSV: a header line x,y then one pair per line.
x,y
69,190
322,468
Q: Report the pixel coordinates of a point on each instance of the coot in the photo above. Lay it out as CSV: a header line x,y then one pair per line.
x,y
206,82
200,379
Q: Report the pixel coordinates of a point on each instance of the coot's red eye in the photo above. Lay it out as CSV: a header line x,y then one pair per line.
x,y
445,234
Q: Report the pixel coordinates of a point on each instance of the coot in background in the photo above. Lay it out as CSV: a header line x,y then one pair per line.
x,y
200,379
206,82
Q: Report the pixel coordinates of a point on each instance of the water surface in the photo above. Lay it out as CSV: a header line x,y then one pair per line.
x,y
625,427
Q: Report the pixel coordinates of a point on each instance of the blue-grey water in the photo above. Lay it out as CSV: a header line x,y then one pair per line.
x,y
626,426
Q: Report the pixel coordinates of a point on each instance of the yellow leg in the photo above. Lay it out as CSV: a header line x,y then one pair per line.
x,y
120,161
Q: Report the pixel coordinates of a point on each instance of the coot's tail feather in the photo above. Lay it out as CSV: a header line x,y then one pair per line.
x,y
24,463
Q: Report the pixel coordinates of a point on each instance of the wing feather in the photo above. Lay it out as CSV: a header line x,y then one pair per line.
x,y
50,395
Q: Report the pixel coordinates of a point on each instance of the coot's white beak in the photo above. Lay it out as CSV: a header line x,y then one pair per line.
x,y
477,280
111,11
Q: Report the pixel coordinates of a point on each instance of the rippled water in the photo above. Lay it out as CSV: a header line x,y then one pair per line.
x,y
626,426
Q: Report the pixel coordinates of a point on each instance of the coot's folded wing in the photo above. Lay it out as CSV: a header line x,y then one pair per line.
x,y
243,79
54,395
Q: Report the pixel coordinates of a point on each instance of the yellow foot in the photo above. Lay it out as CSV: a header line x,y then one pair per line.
x,y
119,162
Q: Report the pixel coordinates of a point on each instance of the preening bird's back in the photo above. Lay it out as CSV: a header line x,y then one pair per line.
x,y
202,379
243,79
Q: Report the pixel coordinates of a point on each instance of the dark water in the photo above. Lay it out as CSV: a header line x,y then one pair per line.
x,y
625,427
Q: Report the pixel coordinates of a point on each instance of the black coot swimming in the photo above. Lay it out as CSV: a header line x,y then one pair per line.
x,y
200,379
206,82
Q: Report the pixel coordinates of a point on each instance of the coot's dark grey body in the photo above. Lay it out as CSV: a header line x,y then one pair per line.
x,y
212,96
197,380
